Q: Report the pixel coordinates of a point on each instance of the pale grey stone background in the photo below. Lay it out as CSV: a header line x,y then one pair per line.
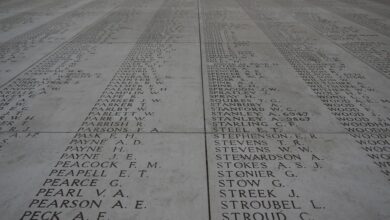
x,y
183,97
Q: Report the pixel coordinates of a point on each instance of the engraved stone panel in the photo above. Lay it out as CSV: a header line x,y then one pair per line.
x,y
194,109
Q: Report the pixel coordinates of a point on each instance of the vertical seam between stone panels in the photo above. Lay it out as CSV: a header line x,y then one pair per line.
x,y
204,114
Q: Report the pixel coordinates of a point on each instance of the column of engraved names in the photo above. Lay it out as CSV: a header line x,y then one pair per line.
x,y
88,180
254,159
44,77
28,17
97,175
15,51
346,94
362,17
59,68
368,46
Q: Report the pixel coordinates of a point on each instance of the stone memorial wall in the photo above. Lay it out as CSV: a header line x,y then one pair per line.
x,y
195,109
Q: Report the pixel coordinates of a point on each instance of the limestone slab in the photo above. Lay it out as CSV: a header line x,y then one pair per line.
x,y
287,176
165,85
153,175
194,109
261,92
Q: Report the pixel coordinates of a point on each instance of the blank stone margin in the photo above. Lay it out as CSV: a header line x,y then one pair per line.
x,y
289,176
116,176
